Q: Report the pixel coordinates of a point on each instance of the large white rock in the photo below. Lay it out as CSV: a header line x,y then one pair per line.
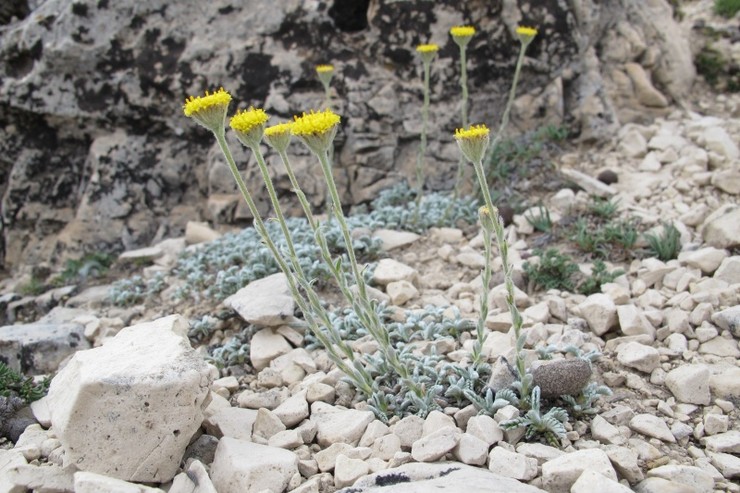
x,y
707,259
600,312
720,227
264,302
689,384
90,482
129,408
335,425
652,426
559,474
389,270
246,467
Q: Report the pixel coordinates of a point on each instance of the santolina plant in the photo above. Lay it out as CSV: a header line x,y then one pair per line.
x,y
427,52
473,143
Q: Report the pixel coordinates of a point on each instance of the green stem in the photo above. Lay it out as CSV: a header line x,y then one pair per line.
x,y
362,381
480,329
375,328
503,246
423,143
464,111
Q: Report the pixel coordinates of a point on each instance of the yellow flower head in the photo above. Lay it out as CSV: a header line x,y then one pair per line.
x,y
209,110
427,52
249,125
526,34
487,217
316,129
462,34
473,141
325,73
278,136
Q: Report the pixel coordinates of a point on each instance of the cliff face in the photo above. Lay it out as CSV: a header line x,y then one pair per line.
x,y
96,154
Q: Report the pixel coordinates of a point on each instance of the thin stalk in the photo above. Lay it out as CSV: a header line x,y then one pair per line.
x,y
481,335
503,246
363,382
375,328
423,143
464,117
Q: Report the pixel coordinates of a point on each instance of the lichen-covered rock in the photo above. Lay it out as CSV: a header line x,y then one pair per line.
x,y
95,152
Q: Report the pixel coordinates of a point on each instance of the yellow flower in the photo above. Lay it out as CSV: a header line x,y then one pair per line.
x,y
473,141
249,125
462,34
325,73
278,136
209,110
427,52
316,129
526,34
427,48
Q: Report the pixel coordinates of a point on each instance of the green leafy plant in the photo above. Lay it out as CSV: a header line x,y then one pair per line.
x,y
583,405
554,270
603,208
89,266
13,384
549,425
34,287
667,244
599,275
727,8
542,221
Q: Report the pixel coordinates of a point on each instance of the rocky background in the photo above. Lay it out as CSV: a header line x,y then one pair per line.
x,y
95,153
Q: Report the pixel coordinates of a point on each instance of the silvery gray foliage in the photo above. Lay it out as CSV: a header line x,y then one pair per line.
x,y
583,405
549,425
127,292
234,352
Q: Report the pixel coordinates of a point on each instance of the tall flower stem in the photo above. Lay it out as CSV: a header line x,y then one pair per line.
x,y
360,378
497,225
487,226
510,100
463,116
423,144
375,328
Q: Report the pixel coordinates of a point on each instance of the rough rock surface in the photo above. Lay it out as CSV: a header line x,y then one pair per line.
x,y
92,88
129,408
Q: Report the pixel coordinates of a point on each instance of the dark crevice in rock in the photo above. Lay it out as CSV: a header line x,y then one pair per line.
x,y
20,63
13,8
349,16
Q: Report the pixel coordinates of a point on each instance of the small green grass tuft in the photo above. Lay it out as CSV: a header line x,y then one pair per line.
x,y
667,245
727,8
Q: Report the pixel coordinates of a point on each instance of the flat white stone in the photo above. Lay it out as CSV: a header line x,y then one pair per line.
x,y
392,239
728,442
265,302
590,481
90,482
240,466
639,356
689,384
559,474
727,464
485,428
265,346
341,426
471,450
652,426
401,291
600,313
433,447
347,471
511,464
389,270
691,476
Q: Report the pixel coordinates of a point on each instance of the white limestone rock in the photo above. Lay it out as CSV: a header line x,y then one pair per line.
x,y
639,356
347,471
696,478
198,232
590,481
600,313
728,319
652,426
231,422
433,447
511,464
129,408
392,239
194,480
246,467
689,384
720,227
340,426
589,184
726,383
39,348
409,430
485,428
559,474
401,291
707,259
632,321
606,432
389,270
660,485
90,482
266,302
728,442
471,450
265,346
727,464
293,410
